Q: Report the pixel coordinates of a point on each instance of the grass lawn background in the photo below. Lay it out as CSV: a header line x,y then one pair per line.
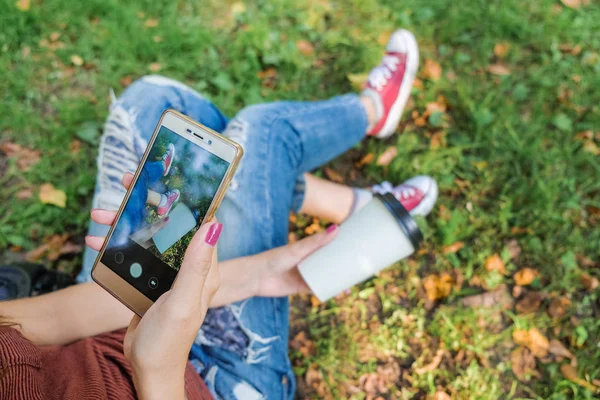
x,y
505,114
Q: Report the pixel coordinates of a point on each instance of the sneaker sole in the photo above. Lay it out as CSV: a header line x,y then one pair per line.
x,y
171,164
412,65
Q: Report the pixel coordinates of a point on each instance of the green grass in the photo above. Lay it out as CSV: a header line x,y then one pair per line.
x,y
510,158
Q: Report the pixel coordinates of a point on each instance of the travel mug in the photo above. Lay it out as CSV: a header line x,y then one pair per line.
x,y
375,237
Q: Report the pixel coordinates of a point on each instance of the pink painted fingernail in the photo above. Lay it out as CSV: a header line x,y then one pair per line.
x,y
331,228
212,237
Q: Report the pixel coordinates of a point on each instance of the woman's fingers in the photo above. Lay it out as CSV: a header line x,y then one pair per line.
x,y
127,179
198,277
95,242
286,257
103,217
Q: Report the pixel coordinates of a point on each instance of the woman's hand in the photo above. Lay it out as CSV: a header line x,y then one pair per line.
x,y
157,345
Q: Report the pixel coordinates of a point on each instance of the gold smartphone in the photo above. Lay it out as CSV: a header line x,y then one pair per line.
x,y
179,184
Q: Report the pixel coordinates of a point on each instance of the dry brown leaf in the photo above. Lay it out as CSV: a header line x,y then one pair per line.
x,y
570,372
53,247
151,23
534,340
126,80
516,230
498,69
313,375
155,67
75,146
500,49
432,70
365,160
387,156
438,140
588,281
333,175
54,36
523,363
268,73
438,286
575,4
305,47
559,307
495,263
560,350
591,147
23,5
50,195
453,248
497,297
24,194
514,249
437,359
530,303
26,157
77,60
525,276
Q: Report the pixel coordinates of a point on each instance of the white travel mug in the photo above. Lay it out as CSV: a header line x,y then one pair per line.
x,y
377,236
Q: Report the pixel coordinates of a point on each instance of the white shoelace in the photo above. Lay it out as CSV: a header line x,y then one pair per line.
x,y
380,75
401,192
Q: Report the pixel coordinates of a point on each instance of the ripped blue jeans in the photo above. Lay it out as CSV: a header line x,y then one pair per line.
x,y
241,351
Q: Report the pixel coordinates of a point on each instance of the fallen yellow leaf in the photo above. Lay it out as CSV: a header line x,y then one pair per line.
x,y
305,47
438,286
525,276
387,156
432,70
575,3
534,340
453,248
238,8
151,23
77,60
495,263
570,373
23,5
498,69
383,37
500,49
154,67
50,195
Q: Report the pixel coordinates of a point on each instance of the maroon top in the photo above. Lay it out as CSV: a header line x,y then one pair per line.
x,y
92,368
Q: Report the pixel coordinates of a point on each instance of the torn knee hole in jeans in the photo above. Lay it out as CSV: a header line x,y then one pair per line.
x,y
237,130
223,328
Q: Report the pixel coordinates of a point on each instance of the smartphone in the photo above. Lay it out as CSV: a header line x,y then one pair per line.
x,y
179,184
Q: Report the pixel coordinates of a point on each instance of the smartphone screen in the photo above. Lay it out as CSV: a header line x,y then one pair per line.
x,y
167,205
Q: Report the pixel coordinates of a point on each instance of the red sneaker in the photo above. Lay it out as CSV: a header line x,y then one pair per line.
x,y
168,157
418,195
171,198
390,83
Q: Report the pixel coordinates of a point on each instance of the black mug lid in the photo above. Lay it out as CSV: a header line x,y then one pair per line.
x,y
406,222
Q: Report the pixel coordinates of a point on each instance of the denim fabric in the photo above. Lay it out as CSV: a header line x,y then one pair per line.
x,y
242,349
133,216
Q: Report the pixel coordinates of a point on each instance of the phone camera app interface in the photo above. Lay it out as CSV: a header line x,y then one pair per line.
x,y
166,206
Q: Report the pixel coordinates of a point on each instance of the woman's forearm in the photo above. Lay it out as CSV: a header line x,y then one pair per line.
x,y
66,315
240,279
